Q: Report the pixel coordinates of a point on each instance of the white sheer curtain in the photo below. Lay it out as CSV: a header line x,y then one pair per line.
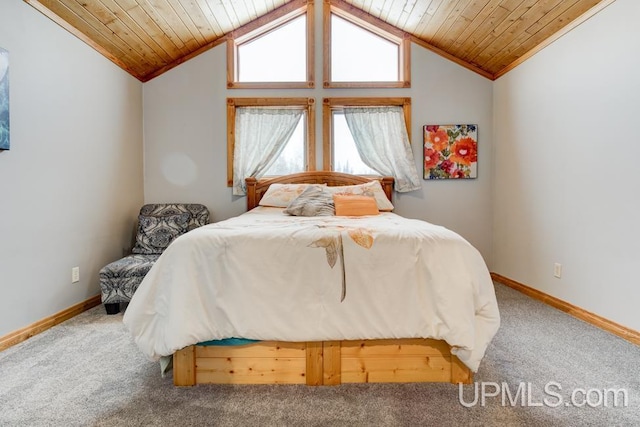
x,y
260,136
380,135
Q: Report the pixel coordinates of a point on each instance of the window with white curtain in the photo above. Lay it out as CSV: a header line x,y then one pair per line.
x,y
268,136
370,136
345,157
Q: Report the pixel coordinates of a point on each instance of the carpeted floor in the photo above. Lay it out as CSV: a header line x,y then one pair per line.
x,y
88,372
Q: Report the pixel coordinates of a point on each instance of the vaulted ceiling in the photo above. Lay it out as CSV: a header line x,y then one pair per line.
x,y
149,37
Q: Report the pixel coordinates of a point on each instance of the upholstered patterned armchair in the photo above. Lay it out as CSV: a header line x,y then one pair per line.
x,y
158,226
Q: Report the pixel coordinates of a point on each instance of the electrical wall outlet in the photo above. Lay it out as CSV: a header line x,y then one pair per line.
x,y
557,270
75,274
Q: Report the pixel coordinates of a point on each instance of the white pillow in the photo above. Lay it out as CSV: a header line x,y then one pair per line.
x,y
280,195
372,188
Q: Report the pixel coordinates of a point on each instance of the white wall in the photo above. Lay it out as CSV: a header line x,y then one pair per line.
x,y
566,185
556,140
71,185
185,136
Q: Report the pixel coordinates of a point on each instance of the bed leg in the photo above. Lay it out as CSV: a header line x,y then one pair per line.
x,y
112,308
184,366
314,363
331,364
460,373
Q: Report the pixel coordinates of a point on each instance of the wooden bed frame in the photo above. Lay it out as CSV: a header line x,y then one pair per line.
x,y
319,363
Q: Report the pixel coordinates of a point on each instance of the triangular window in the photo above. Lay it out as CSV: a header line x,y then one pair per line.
x,y
279,54
363,53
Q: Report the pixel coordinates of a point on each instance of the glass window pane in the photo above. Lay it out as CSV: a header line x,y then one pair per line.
x,y
345,154
358,55
277,56
292,158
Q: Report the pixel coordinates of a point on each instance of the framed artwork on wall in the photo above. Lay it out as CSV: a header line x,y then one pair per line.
x,y
450,151
4,99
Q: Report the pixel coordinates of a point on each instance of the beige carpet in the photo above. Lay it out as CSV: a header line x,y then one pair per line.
x,y
88,372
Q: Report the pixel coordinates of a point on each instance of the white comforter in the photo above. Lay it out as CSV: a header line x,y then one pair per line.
x,y
268,276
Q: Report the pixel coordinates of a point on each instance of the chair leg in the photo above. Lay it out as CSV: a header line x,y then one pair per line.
x,y
112,308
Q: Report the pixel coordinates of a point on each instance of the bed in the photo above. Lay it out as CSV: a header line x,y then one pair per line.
x,y
422,311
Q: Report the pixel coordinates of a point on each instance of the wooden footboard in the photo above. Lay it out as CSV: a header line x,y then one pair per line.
x,y
320,363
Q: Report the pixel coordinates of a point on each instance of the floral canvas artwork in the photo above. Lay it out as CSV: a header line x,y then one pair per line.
x,y
450,151
4,99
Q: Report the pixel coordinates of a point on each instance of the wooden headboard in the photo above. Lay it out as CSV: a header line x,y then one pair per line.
x,y
256,188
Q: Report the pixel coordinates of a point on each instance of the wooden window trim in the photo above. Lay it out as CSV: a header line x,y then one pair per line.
x,y
266,23
307,103
370,23
331,104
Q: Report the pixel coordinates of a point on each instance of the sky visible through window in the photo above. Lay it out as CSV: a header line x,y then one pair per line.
x,y
358,55
278,56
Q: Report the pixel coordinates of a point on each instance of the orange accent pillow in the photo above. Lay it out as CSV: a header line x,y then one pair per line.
x,y
355,205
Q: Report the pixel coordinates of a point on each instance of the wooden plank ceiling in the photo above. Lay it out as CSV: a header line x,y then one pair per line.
x,y
148,37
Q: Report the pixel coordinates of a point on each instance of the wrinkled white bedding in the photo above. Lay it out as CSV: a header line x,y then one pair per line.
x,y
268,276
